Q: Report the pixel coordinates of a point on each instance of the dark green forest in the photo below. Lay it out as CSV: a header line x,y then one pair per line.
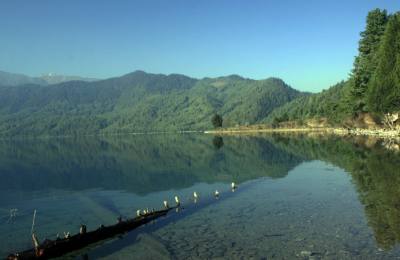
x,y
138,102
373,85
327,103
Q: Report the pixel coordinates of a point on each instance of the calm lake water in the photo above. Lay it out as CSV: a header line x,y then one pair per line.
x,y
298,196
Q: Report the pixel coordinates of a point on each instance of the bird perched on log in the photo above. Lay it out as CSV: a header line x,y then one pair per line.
x,y
233,186
166,204
82,229
178,203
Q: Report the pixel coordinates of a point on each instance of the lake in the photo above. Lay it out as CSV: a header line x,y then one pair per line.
x,y
301,196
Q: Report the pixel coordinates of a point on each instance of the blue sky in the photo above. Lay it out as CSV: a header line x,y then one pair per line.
x,y
309,44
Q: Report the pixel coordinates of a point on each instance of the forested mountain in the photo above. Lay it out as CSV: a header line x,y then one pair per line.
x,y
374,83
12,79
138,101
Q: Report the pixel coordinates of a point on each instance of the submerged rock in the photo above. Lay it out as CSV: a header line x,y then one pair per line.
x,y
305,253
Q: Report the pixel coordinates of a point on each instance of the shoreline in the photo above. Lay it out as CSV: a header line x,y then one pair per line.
x,y
382,133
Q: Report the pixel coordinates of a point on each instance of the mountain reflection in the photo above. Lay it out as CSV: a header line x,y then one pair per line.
x,y
139,164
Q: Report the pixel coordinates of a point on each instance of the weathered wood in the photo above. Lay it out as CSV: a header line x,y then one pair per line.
x,y
59,247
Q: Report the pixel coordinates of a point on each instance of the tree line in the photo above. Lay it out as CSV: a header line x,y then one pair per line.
x,y
372,87
375,78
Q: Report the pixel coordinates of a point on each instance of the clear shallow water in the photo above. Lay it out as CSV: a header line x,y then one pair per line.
x,y
299,196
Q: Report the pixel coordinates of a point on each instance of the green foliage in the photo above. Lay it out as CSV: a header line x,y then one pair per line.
x,y
137,102
216,120
366,62
384,91
328,103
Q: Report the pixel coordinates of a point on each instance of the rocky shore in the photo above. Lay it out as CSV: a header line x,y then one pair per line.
x,y
391,138
384,133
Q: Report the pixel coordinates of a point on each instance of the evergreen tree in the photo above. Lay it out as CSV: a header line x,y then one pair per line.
x,y
366,62
384,89
216,120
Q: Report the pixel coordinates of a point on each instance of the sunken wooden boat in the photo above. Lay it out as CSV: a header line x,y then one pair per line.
x,y
61,246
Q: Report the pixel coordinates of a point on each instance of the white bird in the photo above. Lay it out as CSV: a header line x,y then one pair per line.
x,y
177,200
166,204
233,185
138,212
216,193
195,197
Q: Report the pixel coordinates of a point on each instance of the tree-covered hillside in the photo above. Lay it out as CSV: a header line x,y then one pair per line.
x,y
138,101
328,103
374,83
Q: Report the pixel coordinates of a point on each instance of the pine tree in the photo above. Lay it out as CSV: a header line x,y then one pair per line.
x,y
365,63
384,89
217,120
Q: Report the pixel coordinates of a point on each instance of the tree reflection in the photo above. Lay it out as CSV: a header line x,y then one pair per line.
x,y
139,164
218,142
378,185
375,172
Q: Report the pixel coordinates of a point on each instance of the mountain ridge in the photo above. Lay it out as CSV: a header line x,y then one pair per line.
x,y
138,101
18,79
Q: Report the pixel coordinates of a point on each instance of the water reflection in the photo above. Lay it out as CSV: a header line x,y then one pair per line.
x,y
218,142
139,164
136,169
375,172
